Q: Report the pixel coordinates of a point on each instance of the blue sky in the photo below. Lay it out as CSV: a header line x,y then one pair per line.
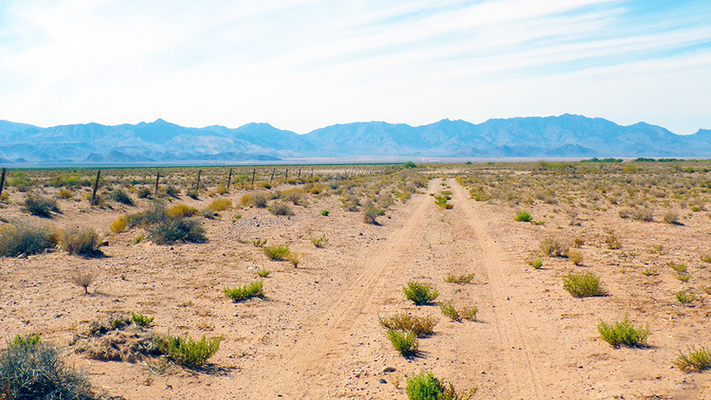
x,y
305,64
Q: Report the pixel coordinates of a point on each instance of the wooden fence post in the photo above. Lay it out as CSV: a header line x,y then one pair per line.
x,y
157,179
2,181
254,172
96,187
229,178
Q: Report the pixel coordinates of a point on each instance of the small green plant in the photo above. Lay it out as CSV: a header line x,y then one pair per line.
x,y
276,253
139,239
247,291
263,273
259,242
420,326
181,211
441,202
404,343
185,351
679,268
623,333
141,320
449,311
461,279
319,241
685,298
537,263
420,293
683,277
696,361
325,213
523,216
583,285
649,272
424,386
706,258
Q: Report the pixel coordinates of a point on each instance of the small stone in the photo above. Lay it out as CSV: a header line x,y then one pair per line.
x,y
381,380
387,369
483,372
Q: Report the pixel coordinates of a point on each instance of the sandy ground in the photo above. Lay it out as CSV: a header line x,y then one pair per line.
x,y
317,336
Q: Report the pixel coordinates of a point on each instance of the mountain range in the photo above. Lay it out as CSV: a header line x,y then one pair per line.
x,y
565,136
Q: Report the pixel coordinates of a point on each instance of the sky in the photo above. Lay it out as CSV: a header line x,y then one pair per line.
x,y
305,64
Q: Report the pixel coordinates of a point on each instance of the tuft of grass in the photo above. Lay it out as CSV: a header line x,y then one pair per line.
x,y
263,273
141,320
537,263
671,218
41,206
461,279
181,211
441,202
84,279
449,311
293,258
276,253
469,313
281,209
246,291
120,225
404,342
319,241
185,351
683,277
420,293
584,285
649,272
623,333
175,229
612,242
523,216
420,326
696,361
259,242
220,204
578,242
82,242
554,248
65,194
120,196
18,239
325,213
684,298
258,200
643,214
425,386
679,268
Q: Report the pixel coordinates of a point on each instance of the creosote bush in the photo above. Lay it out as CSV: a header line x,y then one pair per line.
x,y
404,342
523,216
623,333
281,209
17,239
40,206
82,242
696,360
246,291
185,351
420,326
175,229
420,293
584,285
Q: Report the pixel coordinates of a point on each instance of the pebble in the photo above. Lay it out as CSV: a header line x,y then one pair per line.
x,y
382,380
387,369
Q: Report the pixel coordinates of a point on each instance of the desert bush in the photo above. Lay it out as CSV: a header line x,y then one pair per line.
x,y
30,369
578,242
404,342
350,202
141,320
263,273
643,214
612,242
293,195
173,229
221,190
120,225
554,247
246,291
623,333
209,214
82,242
441,202
172,191
143,192
671,217
17,239
319,241
523,216
65,194
220,204
83,278
697,360
679,268
584,285
420,293
277,253
705,258
384,200
683,277
425,386
370,214
185,351
258,200
420,326
293,258
461,279
469,313
575,257
281,209
120,196
182,211
325,213
449,311
40,206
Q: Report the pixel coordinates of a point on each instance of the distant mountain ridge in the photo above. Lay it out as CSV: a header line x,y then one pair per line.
x,y
567,135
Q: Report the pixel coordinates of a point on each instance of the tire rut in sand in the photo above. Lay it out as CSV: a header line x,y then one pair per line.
x,y
522,376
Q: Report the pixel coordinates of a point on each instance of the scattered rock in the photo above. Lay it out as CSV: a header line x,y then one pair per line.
x,y
387,369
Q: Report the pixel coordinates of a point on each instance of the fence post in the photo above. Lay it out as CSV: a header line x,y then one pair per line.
x,y
254,172
157,179
96,187
229,178
2,181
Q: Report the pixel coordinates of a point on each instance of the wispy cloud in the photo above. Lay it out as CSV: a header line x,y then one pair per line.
x,y
302,64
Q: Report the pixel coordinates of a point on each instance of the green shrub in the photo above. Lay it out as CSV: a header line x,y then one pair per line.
x,y
684,298
281,209
17,239
259,242
404,343
370,214
263,273
425,386
697,360
254,200
449,311
583,285
41,206
181,211
461,279
679,268
441,202
185,351
319,241
220,204
120,196
469,313
536,263
174,229
683,277
143,192
420,293
247,291
277,253
420,326
575,257
141,320
623,333
523,216
325,213
29,369
82,242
